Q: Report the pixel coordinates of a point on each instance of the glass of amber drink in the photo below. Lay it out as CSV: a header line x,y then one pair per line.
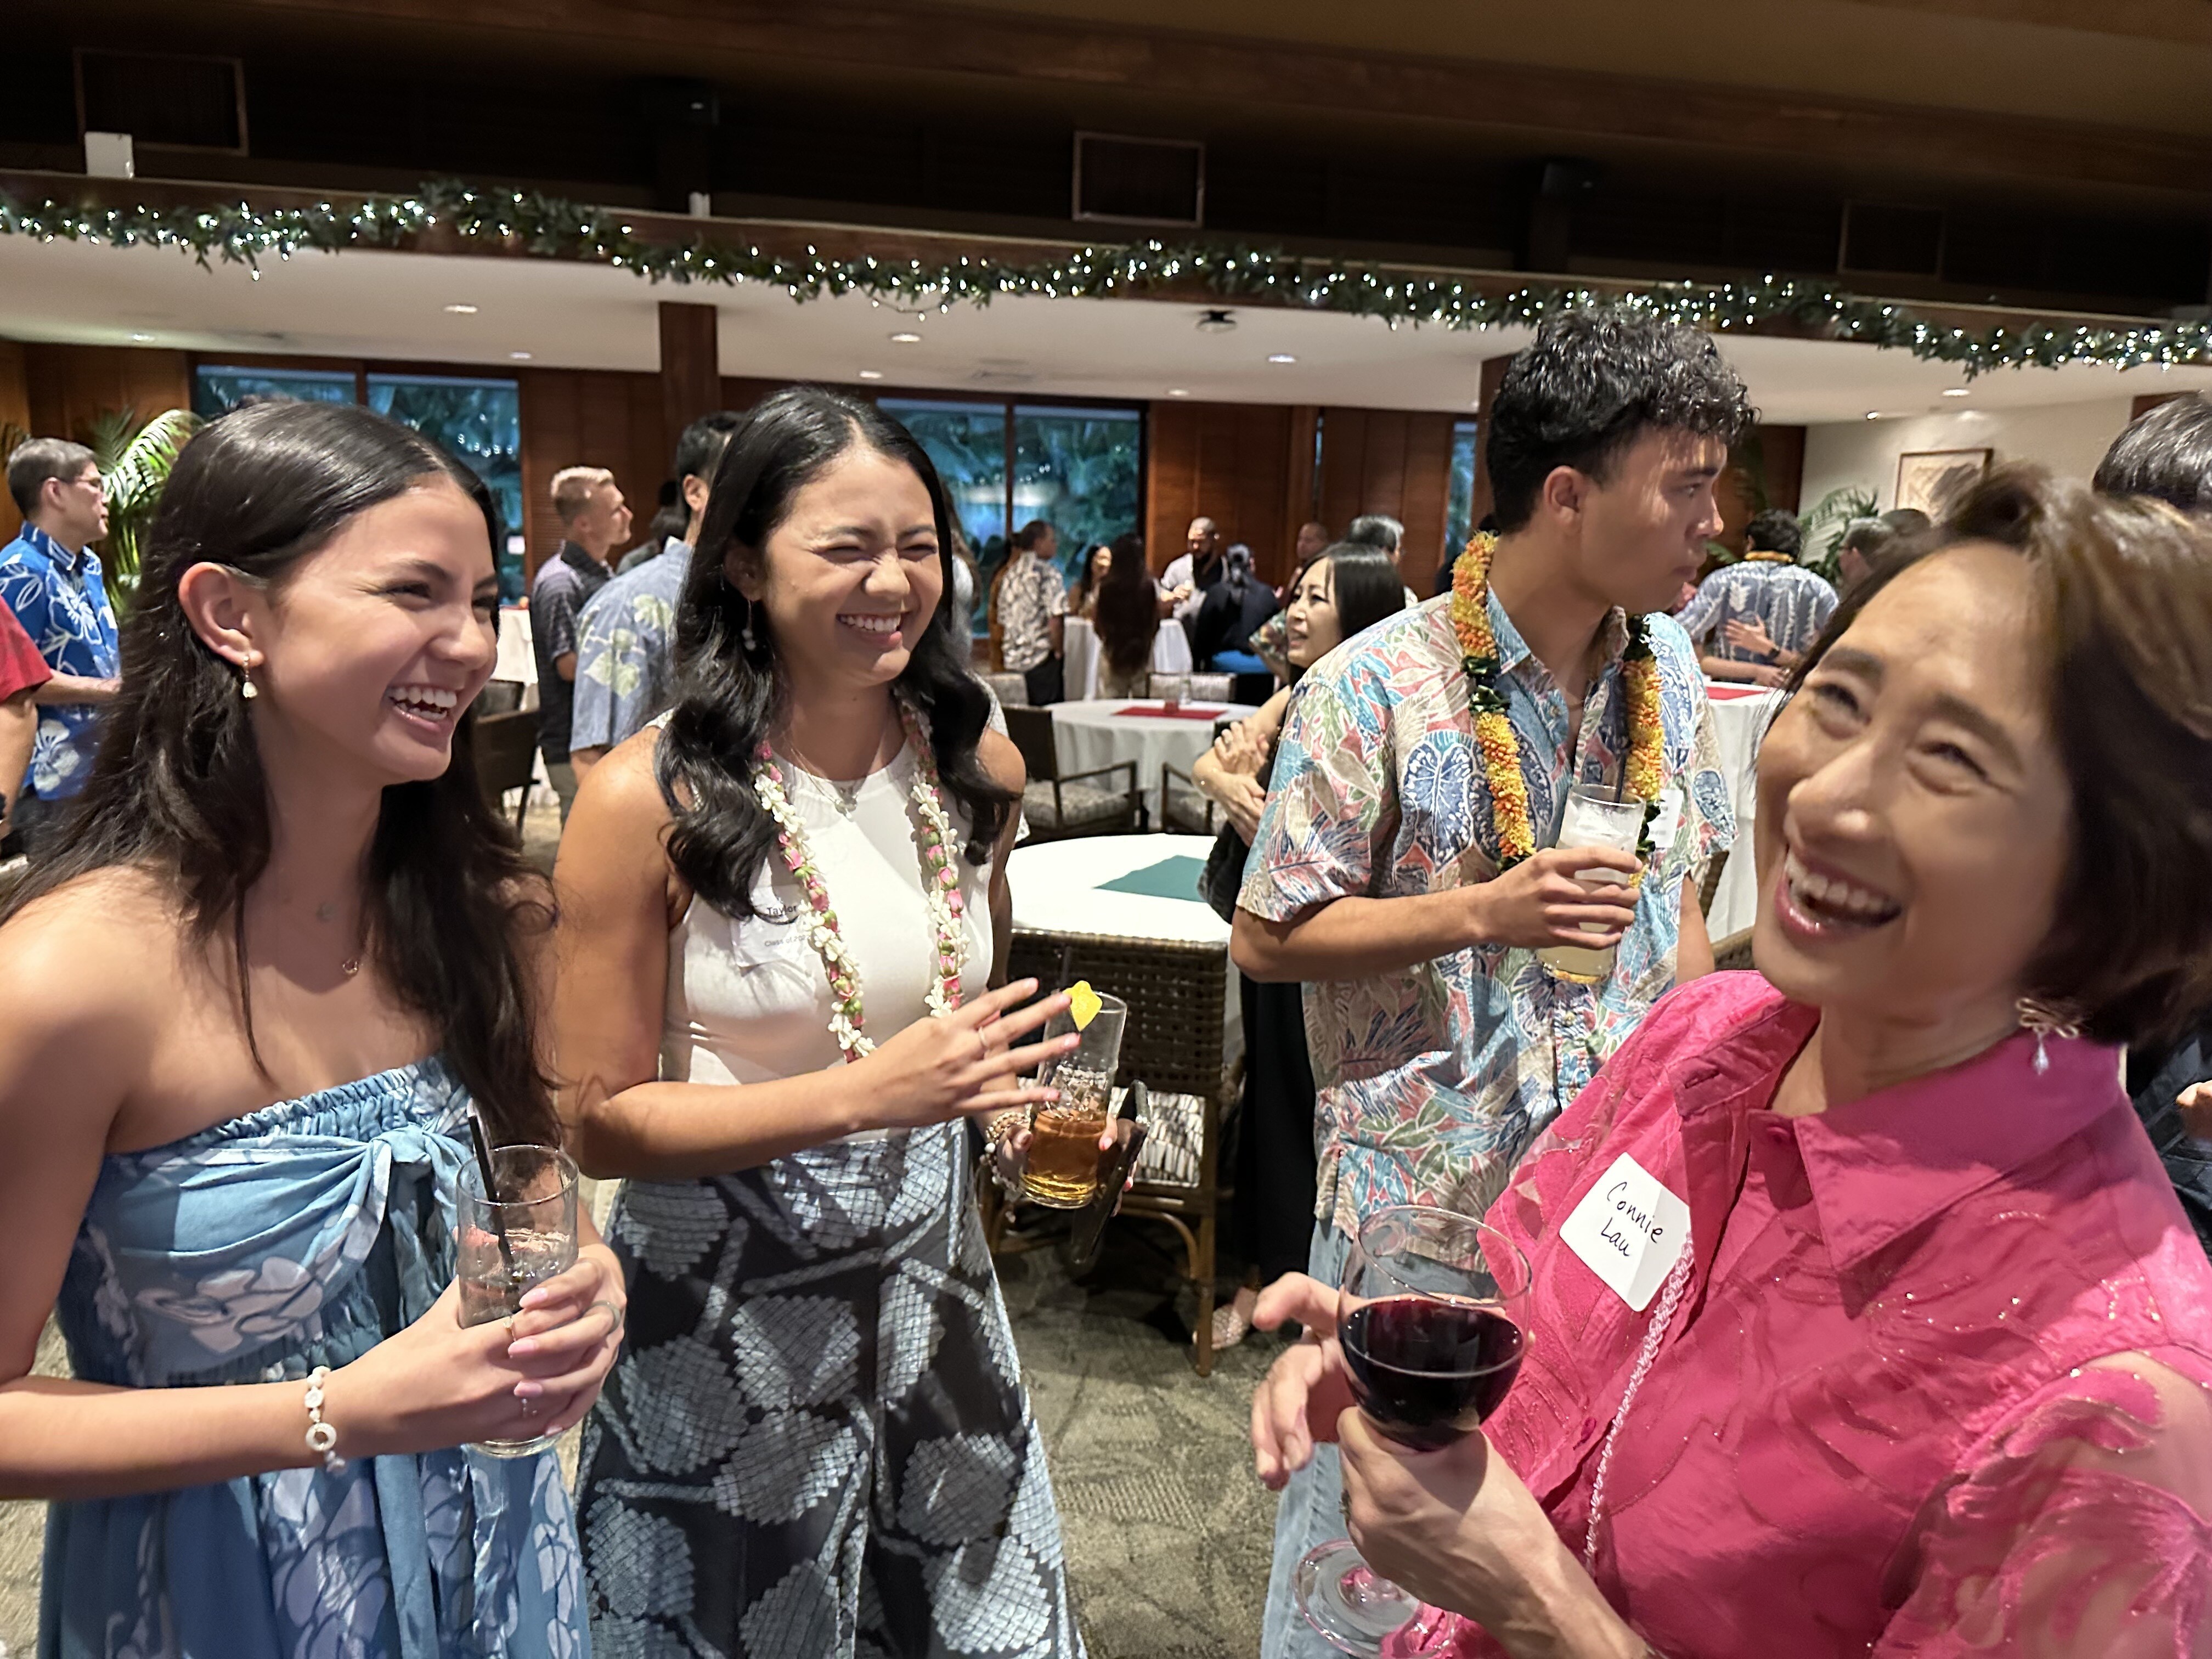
x,y
1062,1173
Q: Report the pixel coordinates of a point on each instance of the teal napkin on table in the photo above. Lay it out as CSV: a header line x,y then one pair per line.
x,y
1176,878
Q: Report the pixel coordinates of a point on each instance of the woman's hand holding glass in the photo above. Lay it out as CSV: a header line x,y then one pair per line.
x,y
440,1383
964,1062
1457,1529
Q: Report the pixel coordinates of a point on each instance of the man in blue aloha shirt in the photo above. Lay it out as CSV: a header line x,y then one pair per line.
x,y
1441,1044
626,638
51,579
1755,621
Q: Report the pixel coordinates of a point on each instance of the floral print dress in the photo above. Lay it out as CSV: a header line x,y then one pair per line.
x,y
298,1235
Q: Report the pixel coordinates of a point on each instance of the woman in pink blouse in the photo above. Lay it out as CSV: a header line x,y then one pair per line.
x,y
1933,1375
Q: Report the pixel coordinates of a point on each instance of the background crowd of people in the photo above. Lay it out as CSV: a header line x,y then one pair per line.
x,y
1926,1369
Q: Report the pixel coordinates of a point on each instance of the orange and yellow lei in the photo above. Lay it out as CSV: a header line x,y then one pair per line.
x,y
1493,730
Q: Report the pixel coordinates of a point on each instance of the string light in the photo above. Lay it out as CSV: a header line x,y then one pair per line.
x,y
545,227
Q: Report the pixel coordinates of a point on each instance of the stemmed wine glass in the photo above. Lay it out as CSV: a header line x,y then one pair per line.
x,y
1430,1317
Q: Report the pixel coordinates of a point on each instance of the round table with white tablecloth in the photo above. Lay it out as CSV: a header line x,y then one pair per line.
x,y
1105,732
518,655
1739,721
1085,886
1080,655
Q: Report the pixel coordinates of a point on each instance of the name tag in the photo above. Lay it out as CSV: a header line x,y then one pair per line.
x,y
1629,1230
1667,821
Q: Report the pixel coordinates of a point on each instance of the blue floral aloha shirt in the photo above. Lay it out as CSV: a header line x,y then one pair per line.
x,y
1791,602
61,600
1431,1081
626,652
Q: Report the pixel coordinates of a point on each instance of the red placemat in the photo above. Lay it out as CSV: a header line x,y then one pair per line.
x,y
1160,711
1730,693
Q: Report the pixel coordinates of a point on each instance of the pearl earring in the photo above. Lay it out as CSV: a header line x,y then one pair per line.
x,y
246,687
745,634
2047,1020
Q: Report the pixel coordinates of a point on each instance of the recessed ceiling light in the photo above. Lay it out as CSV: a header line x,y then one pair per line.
x,y
142,337
1873,414
520,356
462,311
906,339
872,374
1281,357
1957,391
1178,392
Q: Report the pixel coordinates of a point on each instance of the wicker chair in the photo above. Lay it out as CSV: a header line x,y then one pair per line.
x,y
1186,809
1733,953
1191,688
505,751
1057,805
1174,990
1716,867
499,697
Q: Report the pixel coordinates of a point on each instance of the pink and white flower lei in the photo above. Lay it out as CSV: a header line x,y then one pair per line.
x,y
941,888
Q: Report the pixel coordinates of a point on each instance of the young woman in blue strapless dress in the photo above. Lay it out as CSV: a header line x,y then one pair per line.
x,y
282,947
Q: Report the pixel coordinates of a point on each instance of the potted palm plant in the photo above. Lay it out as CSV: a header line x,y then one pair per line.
x,y
135,457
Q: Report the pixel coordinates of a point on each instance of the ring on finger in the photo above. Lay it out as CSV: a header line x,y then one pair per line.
x,y
982,1047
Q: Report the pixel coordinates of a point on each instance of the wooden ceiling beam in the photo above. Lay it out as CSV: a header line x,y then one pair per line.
x,y
1555,107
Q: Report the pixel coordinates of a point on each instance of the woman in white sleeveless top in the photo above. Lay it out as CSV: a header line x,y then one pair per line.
x,y
816,1442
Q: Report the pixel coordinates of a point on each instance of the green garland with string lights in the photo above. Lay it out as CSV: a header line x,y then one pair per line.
x,y
543,227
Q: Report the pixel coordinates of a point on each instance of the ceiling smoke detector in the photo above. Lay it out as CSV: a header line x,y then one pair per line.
x,y
1217,322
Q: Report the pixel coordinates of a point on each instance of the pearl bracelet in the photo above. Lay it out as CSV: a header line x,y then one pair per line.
x,y
322,1438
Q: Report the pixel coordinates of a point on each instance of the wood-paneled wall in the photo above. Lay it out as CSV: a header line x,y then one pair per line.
x,y
1231,463
15,411
588,417
1394,461
69,384
56,391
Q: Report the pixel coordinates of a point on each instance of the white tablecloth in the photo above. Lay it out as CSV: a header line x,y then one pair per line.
x,y
1055,887
1079,654
518,656
1089,735
1739,723
518,661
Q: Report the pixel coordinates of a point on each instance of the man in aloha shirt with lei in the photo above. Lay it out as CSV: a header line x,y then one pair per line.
x,y
1440,1045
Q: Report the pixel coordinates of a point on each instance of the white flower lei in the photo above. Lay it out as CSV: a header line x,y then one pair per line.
x,y
940,891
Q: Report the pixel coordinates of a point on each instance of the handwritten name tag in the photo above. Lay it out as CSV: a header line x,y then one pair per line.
x,y
1629,1230
1667,822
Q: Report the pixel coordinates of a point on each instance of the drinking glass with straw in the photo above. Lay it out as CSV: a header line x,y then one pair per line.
x,y
515,1225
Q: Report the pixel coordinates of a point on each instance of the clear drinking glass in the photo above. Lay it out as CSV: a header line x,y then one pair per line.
x,y
1062,1173
1432,1318
504,1247
1594,818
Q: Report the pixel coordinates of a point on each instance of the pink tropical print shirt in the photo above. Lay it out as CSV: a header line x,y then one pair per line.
x,y
1430,1082
1940,1381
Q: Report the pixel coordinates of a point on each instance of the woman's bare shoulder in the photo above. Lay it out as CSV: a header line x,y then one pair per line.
x,y
1001,759
624,788
97,950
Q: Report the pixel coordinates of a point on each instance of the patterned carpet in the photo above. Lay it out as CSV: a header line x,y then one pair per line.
x,y
1167,1530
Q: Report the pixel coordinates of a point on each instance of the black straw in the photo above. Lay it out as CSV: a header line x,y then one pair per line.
x,y
491,1192
1067,968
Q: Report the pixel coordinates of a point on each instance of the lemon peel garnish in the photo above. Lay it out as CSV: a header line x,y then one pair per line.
x,y
1082,1004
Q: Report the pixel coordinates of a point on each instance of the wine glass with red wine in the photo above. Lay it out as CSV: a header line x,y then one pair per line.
x,y
1431,1317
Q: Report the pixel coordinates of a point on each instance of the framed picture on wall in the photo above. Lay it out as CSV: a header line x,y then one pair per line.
x,y
1931,479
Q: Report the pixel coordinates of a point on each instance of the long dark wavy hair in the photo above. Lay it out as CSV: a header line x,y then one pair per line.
x,y
1128,606
179,788
731,696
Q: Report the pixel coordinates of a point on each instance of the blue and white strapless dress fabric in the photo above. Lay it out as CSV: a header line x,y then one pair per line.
x,y
299,1235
